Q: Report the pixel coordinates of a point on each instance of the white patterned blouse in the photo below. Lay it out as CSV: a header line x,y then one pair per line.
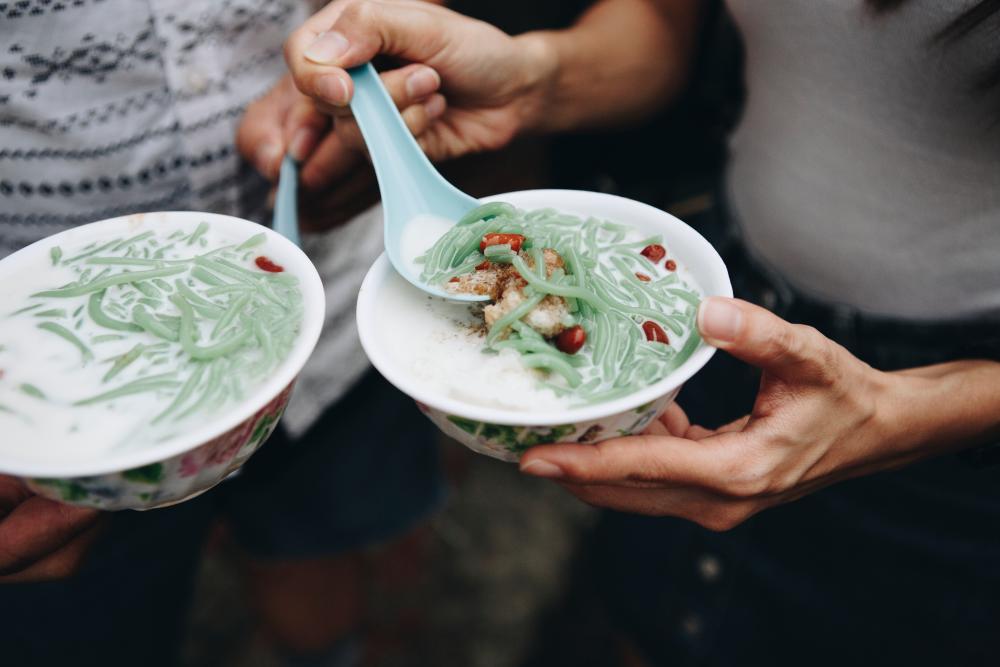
x,y
110,107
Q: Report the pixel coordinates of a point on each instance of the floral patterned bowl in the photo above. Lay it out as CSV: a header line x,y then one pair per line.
x,y
185,466
505,434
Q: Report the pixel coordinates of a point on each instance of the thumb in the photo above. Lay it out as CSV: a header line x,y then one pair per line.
x,y
318,53
639,460
762,339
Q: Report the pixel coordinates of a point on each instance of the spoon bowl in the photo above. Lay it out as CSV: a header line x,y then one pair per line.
x,y
411,187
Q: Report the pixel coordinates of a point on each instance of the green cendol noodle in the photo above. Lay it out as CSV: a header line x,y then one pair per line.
x,y
205,327
601,289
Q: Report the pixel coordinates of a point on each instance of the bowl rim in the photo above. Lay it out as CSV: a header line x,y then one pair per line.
x,y
314,309
382,361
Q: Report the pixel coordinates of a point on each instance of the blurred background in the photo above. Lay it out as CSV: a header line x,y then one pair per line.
x,y
510,571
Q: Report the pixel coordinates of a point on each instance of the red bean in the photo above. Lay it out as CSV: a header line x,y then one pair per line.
x,y
654,253
571,340
265,264
671,265
654,332
643,277
514,240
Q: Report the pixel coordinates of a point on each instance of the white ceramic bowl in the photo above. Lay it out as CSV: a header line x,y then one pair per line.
x,y
504,433
185,466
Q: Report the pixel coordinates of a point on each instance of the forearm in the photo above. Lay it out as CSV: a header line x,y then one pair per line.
x,y
620,62
946,407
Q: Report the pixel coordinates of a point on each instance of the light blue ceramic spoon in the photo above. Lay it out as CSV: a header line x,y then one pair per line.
x,y
409,183
286,215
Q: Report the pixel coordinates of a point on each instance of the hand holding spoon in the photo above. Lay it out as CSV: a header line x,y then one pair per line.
x,y
410,185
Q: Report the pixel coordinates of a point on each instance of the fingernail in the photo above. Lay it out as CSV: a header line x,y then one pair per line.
x,y
435,106
421,83
332,89
326,48
267,155
302,143
540,468
720,319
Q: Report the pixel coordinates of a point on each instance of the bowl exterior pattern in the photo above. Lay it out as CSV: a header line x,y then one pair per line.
x,y
174,479
507,443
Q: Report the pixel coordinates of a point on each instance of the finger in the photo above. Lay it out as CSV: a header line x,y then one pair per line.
x,y
633,461
38,527
330,162
419,118
706,509
259,137
696,432
675,420
13,492
63,563
758,337
656,427
308,32
650,502
735,425
317,54
414,90
304,128
411,84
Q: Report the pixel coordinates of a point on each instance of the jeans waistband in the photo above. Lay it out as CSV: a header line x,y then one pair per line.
x,y
885,342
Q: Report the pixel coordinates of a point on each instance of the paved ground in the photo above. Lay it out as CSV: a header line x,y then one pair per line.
x,y
499,560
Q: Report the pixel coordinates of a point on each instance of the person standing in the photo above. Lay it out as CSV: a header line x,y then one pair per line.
x,y
110,107
863,195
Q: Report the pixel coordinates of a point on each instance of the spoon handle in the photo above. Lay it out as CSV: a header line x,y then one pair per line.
x,y
286,216
398,159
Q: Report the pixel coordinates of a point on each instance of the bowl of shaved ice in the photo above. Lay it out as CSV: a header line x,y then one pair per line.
x,y
587,331
143,359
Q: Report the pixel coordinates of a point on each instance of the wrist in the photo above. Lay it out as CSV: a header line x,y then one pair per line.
x,y
540,79
944,408
899,424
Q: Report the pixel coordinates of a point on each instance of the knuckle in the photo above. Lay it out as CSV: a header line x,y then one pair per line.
x,y
314,177
576,471
11,563
716,522
724,518
820,350
289,51
750,478
781,344
63,568
792,341
585,494
358,11
746,485
415,118
808,349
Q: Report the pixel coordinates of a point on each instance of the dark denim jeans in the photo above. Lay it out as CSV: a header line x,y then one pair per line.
x,y
367,471
899,568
